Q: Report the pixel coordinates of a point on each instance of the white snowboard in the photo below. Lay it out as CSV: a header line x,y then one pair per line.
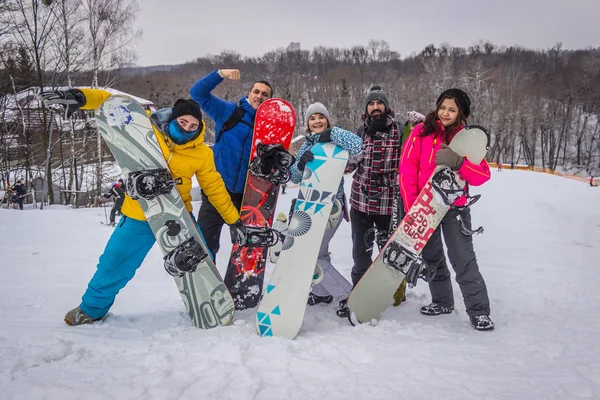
x,y
281,310
374,291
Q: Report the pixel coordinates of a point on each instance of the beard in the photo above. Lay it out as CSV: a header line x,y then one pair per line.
x,y
376,123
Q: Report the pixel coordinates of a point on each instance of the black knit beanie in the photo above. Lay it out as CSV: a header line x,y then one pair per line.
x,y
376,93
186,107
464,103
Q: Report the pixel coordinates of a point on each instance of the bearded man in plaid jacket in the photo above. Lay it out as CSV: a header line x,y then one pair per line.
x,y
376,174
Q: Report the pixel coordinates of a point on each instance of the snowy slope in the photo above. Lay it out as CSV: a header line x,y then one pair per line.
x,y
538,255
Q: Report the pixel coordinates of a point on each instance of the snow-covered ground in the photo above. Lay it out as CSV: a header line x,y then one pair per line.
x,y
539,256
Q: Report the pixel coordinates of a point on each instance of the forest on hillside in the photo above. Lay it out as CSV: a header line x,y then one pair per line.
x,y
541,106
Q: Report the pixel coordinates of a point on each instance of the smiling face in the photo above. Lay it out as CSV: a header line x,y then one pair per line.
x,y
448,112
375,107
317,123
258,94
188,123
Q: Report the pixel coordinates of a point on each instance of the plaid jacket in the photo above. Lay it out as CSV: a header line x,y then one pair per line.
x,y
376,171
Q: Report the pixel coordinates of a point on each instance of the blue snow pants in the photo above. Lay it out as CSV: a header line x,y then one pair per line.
x,y
126,249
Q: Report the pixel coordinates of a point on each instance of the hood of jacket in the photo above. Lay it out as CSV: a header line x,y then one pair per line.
x,y
160,120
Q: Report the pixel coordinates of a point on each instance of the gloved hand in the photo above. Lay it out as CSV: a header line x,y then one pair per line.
x,y
325,136
447,156
71,100
238,233
306,157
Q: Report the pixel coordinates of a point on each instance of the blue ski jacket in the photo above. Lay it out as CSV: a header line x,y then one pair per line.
x,y
232,150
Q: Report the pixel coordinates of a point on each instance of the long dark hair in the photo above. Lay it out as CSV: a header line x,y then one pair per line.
x,y
431,126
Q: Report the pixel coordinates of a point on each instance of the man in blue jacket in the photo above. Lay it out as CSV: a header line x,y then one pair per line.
x,y
234,124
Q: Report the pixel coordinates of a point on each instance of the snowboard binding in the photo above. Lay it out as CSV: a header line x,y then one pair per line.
x,y
184,258
272,162
445,184
419,269
380,236
400,258
262,236
147,184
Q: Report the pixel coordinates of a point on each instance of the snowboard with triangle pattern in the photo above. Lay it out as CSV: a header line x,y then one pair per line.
x,y
281,310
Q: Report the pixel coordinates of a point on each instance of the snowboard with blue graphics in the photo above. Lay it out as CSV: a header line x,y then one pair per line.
x,y
281,310
400,258
127,130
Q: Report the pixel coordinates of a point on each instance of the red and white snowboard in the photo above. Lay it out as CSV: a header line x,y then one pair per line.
x,y
274,124
400,257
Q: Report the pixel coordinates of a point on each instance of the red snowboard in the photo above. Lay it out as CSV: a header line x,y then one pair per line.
x,y
274,124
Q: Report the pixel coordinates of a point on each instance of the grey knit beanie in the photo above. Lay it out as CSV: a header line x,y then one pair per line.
x,y
316,108
376,93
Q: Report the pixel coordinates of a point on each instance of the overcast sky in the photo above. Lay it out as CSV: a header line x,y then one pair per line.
x,y
176,31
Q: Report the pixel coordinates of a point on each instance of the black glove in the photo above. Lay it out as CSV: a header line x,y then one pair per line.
x,y
306,157
238,233
447,156
325,136
71,100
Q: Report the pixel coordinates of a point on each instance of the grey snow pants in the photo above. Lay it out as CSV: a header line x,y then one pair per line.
x,y
333,283
463,260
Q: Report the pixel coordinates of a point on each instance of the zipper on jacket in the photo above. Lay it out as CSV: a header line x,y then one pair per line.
x,y
432,150
411,147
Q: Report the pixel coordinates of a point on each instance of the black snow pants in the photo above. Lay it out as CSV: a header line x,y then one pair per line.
x,y
362,244
463,260
211,223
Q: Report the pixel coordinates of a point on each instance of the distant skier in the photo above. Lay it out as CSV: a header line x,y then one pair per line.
x,y
19,193
592,184
118,196
180,133
426,148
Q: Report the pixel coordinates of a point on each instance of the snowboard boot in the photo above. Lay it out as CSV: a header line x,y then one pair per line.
x,y
482,322
78,317
343,311
314,299
436,309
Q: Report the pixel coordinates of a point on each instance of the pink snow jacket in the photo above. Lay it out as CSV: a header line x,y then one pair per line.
x,y
418,163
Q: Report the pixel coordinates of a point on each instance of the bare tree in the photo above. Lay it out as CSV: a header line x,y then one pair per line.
x,y
69,41
32,24
111,34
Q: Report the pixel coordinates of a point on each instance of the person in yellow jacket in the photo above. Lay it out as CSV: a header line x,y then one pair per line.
x,y
180,133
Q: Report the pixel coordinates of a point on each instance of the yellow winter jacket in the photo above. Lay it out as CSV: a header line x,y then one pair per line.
x,y
186,160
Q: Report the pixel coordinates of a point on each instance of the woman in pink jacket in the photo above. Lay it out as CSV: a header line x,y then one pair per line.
x,y
426,148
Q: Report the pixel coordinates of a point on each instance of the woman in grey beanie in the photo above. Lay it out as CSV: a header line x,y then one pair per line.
x,y
319,129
